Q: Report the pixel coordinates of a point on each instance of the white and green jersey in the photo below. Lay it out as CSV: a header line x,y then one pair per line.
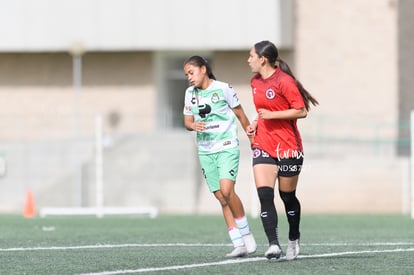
x,y
213,106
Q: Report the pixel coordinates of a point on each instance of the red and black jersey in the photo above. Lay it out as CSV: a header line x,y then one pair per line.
x,y
279,138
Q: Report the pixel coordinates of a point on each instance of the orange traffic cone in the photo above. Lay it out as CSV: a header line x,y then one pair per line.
x,y
29,206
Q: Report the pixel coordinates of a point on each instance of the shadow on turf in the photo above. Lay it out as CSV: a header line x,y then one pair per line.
x,y
306,257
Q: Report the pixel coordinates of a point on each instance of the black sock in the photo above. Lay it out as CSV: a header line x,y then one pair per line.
x,y
268,213
292,208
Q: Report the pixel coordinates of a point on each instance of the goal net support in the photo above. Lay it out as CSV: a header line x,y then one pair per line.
x,y
99,210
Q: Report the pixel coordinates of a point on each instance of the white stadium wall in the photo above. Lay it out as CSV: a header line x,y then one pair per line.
x,y
142,25
344,52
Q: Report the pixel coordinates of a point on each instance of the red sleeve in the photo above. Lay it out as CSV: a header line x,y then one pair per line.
x,y
291,93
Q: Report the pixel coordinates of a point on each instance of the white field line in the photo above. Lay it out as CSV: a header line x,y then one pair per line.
x,y
109,246
243,260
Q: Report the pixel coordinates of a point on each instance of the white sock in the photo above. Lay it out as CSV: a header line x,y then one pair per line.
x,y
243,225
235,236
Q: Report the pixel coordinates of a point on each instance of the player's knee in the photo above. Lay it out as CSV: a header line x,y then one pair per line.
x,y
288,197
227,191
227,196
265,193
220,197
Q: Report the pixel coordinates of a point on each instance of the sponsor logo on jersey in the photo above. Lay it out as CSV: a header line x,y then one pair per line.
x,y
227,142
204,110
214,126
270,94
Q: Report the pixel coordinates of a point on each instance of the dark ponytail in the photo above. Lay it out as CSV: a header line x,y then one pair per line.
x,y
307,97
199,61
269,50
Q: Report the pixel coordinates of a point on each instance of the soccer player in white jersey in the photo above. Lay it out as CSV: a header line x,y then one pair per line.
x,y
210,109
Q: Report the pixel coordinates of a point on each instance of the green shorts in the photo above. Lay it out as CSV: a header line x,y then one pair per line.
x,y
220,165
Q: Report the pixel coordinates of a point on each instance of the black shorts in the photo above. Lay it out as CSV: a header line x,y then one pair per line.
x,y
286,167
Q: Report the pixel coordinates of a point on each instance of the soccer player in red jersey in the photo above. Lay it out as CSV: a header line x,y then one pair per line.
x,y
280,100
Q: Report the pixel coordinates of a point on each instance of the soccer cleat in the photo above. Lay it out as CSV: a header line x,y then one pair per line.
x,y
250,243
274,251
239,251
292,250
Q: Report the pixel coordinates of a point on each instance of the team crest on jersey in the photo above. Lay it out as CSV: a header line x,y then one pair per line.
x,y
270,94
215,98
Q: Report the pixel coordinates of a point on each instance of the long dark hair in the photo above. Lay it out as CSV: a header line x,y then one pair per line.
x,y
199,61
269,50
